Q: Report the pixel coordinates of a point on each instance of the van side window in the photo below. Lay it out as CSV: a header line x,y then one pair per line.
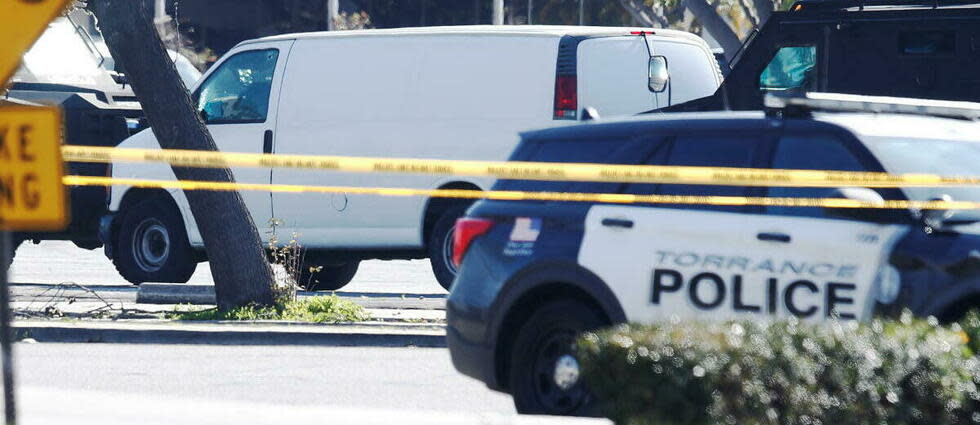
x,y
810,152
238,91
792,67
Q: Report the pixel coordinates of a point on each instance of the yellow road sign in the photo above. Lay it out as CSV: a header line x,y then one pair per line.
x,y
21,23
32,196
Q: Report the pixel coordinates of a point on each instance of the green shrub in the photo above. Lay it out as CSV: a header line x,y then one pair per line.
x,y
904,372
319,309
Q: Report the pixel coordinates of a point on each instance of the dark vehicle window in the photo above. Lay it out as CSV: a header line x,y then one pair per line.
x,y
809,152
238,91
792,67
630,151
707,151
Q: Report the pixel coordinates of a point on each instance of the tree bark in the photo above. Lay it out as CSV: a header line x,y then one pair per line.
x,y
239,265
715,25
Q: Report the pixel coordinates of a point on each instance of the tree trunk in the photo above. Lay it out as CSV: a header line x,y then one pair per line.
x,y
238,262
715,25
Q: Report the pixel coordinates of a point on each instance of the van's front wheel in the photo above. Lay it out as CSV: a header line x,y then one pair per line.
x,y
152,245
440,246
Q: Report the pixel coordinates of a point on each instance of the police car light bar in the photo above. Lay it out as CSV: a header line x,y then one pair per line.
x,y
832,102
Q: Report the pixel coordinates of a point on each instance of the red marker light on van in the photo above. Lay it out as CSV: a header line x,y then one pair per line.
x,y
468,229
566,97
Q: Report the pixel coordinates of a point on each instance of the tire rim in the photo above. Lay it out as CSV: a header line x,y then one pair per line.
x,y
448,249
151,245
551,357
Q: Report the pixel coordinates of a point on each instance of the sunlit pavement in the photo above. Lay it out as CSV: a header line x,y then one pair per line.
x,y
379,378
58,262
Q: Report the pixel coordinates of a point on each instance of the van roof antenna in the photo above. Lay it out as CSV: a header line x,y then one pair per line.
x,y
646,40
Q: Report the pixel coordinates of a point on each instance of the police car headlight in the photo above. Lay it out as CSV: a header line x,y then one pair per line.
x,y
888,283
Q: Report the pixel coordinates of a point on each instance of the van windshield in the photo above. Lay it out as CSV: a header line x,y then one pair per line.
x,y
931,156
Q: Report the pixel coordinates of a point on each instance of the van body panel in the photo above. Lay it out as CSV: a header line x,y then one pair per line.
x,y
462,97
693,69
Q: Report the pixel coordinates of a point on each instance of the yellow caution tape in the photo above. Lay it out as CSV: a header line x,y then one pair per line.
x,y
610,198
523,170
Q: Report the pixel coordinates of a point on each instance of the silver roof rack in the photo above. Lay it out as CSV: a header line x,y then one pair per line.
x,y
833,102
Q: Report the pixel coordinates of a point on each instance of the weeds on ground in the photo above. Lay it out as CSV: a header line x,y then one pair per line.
x,y
321,309
287,263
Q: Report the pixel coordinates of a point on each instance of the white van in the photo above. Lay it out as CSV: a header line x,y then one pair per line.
x,y
449,93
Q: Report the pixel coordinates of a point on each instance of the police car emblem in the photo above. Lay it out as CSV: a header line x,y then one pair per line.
x,y
522,238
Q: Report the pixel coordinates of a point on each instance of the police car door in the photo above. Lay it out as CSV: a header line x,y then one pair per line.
x,y
706,262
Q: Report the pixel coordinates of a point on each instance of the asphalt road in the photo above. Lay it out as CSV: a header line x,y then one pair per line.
x,y
377,378
58,262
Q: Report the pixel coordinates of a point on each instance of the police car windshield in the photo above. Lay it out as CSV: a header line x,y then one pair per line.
x,y
932,156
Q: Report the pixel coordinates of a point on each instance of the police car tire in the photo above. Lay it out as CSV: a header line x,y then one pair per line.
x,y
160,221
532,353
326,278
15,242
440,235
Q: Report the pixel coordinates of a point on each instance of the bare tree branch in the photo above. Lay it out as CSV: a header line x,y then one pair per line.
x,y
645,15
763,9
715,25
748,10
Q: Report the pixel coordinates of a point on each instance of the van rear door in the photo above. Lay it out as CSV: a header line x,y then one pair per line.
x,y
613,76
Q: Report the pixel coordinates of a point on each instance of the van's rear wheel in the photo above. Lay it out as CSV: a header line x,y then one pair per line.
x,y
544,373
152,245
440,245
316,275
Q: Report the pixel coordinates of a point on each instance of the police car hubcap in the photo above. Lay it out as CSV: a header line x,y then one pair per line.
x,y
566,372
556,373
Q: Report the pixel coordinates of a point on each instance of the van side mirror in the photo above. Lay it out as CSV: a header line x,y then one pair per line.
x,y
659,74
861,194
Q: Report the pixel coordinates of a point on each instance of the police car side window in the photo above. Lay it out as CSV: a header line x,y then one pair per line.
x,y
710,150
810,152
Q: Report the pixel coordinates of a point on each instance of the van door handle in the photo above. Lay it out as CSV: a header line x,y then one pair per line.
x,y
774,237
267,142
617,222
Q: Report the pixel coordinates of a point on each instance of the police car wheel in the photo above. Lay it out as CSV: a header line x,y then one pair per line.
x,y
440,246
544,374
152,245
15,242
317,277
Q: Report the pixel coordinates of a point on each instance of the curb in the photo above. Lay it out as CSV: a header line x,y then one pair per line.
x,y
226,334
168,293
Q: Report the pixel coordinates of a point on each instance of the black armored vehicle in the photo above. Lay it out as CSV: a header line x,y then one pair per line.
x,y
67,68
917,49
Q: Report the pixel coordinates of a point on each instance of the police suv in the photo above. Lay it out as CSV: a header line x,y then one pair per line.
x,y
534,274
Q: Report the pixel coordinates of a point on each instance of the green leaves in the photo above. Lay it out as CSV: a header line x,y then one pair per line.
x,y
785,373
